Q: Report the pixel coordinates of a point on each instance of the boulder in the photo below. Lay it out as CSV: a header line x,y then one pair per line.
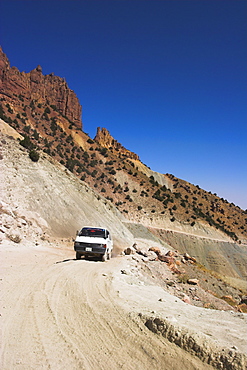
x,y
152,256
187,257
14,236
193,281
155,250
7,221
173,267
168,259
243,299
186,299
129,250
170,254
142,252
195,298
170,283
229,299
242,307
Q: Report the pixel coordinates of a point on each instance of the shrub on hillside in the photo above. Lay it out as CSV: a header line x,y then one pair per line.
x,y
47,110
103,152
27,129
26,143
34,156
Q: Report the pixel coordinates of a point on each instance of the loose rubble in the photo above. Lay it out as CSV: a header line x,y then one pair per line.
x,y
173,271
169,271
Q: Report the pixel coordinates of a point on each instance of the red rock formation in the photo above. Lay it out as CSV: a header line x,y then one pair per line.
x,y
16,87
104,138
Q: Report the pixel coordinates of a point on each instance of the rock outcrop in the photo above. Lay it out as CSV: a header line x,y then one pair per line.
x,y
104,138
18,88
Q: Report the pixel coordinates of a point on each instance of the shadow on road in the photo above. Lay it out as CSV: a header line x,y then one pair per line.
x,y
70,259
95,259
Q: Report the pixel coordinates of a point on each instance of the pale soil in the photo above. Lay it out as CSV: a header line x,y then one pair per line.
x,y
59,313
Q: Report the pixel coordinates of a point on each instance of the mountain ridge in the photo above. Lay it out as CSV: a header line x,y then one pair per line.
x,y
160,202
44,202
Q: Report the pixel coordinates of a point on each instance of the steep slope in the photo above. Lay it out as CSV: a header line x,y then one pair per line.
x,y
55,309
161,202
56,203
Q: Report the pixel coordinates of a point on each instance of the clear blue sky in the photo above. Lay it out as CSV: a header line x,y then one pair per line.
x,y
168,78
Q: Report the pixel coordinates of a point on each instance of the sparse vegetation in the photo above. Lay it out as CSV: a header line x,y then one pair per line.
x,y
27,143
33,155
188,202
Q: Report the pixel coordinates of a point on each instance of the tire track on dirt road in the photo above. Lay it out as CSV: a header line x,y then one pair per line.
x,y
59,313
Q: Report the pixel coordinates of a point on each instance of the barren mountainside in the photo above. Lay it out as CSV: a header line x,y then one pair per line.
x,y
48,116
180,255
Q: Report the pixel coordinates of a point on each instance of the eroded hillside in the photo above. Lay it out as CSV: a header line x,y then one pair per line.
x,y
55,308
46,198
168,206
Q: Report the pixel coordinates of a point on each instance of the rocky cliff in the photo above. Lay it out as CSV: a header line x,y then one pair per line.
x,y
104,138
20,88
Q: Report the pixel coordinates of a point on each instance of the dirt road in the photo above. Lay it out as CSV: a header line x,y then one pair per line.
x,y
59,313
